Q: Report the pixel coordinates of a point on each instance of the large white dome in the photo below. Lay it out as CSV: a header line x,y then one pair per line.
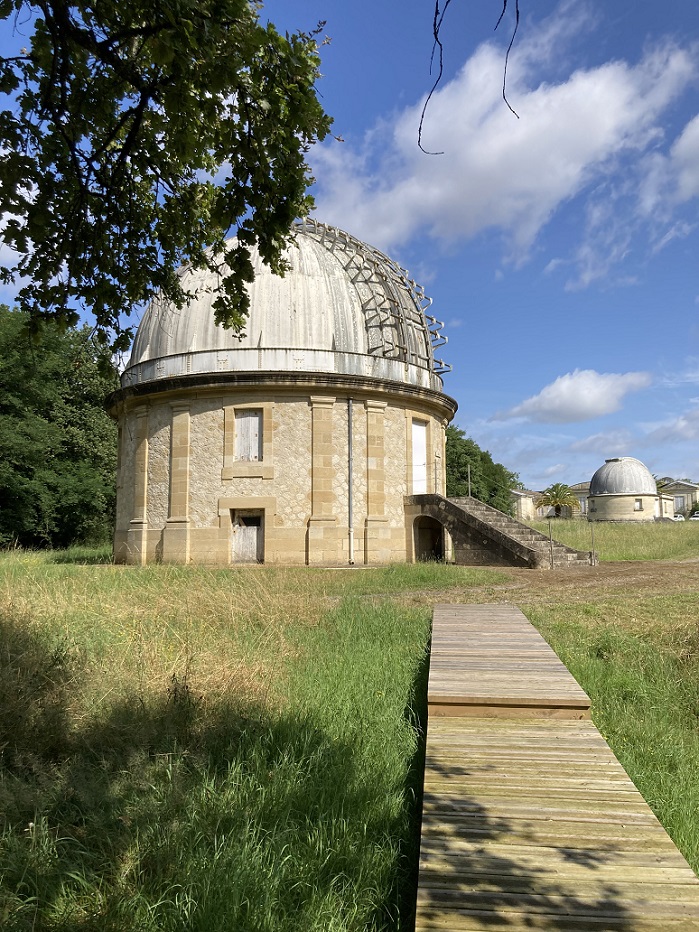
x,y
343,308
623,475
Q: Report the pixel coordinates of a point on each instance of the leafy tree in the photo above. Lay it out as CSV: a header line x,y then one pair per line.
x,y
57,443
138,136
490,482
558,496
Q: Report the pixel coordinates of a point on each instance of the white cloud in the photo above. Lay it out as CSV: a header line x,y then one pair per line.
x,y
685,160
679,429
688,375
498,172
608,443
671,180
555,470
578,396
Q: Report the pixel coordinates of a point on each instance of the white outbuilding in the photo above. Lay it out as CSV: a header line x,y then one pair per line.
x,y
297,441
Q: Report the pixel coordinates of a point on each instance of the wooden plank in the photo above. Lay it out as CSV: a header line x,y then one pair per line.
x,y
491,657
530,822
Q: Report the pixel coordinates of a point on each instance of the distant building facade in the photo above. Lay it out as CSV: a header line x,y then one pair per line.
x,y
684,494
523,501
623,489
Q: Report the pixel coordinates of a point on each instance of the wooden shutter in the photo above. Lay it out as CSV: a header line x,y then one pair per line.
x,y
248,436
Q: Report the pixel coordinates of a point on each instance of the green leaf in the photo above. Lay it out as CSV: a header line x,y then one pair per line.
x,y
123,109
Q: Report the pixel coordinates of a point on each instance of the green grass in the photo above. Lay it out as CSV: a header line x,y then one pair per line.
x,y
200,749
194,749
638,660
653,541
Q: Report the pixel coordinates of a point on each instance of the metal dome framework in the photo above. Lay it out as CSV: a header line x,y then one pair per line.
x,y
393,304
343,308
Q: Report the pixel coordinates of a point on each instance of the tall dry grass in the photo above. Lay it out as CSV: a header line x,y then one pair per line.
x,y
188,748
664,540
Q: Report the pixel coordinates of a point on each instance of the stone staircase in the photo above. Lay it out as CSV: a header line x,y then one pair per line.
x,y
482,535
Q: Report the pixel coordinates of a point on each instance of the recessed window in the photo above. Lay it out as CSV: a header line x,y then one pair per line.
x,y
248,436
638,504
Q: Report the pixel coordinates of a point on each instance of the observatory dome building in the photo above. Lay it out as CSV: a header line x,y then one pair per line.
x,y
623,489
297,441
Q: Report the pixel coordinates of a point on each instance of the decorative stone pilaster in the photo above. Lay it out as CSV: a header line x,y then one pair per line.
x,y
323,539
176,531
375,459
376,524
137,534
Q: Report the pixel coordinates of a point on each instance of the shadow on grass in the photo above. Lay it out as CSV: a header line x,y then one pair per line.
x,y
169,813
404,892
82,556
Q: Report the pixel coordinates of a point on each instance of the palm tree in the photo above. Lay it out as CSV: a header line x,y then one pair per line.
x,y
558,496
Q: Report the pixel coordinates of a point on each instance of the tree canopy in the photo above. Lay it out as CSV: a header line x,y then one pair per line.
x,y
137,137
57,443
490,482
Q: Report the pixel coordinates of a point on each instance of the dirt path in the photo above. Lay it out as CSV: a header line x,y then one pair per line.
x,y
607,580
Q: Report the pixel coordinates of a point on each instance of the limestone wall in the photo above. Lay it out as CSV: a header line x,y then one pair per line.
x,y
159,420
299,488
622,508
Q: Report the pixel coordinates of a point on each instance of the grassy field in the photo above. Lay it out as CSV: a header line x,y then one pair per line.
x,y
193,749
666,540
638,660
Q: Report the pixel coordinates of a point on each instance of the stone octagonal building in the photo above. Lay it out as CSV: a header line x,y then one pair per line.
x,y
297,442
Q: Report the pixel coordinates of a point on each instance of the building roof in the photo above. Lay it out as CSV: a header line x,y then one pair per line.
x,y
343,307
623,475
678,484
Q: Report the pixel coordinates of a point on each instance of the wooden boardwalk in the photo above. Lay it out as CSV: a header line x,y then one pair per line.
x,y
529,820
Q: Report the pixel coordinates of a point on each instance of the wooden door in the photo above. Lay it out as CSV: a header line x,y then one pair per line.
x,y
247,537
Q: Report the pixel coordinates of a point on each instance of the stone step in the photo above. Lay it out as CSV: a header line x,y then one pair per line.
x,y
480,533
549,550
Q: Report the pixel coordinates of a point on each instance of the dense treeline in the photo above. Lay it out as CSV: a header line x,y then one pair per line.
x,y
490,482
57,443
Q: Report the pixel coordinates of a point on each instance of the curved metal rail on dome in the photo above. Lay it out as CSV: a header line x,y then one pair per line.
x,y
397,325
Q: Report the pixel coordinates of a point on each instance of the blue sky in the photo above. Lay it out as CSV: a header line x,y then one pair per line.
x,y
561,248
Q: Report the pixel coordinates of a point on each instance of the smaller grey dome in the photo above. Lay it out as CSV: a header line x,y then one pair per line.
x,y
623,475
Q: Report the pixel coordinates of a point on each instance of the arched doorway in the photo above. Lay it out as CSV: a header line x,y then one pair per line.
x,y
429,539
